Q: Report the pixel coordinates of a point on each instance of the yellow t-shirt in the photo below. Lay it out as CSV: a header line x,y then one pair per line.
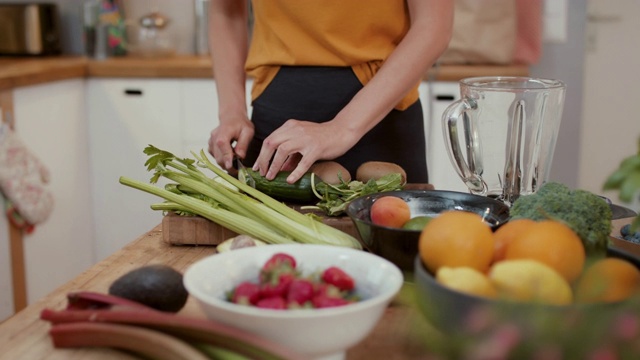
x,y
356,33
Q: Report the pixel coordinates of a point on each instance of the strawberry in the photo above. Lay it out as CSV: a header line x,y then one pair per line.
x,y
323,301
274,302
300,291
276,266
277,286
279,259
247,293
338,278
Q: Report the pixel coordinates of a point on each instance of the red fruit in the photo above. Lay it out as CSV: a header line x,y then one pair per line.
x,y
277,287
274,302
300,291
246,293
338,278
278,260
322,301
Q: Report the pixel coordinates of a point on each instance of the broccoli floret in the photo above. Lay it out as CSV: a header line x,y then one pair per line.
x,y
588,214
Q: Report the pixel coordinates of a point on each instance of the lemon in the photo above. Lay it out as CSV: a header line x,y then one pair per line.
x,y
467,280
417,223
530,280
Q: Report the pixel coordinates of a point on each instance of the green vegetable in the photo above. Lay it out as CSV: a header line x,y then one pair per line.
x,y
232,203
587,214
334,199
300,192
417,223
626,179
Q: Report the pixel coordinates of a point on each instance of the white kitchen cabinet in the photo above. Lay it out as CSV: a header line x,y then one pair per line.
x,y
200,112
126,115
51,121
436,97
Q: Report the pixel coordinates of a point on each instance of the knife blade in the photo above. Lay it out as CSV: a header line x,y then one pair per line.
x,y
243,174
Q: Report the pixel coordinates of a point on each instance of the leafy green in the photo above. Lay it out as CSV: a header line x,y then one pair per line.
x,y
334,199
626,179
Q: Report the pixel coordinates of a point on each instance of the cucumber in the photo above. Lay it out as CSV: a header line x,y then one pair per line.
x,y
299,192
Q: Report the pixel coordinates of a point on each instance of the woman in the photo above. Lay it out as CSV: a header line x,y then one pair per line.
x,y
333,80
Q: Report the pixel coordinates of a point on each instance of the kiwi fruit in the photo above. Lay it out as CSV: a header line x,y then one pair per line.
x,y
377,169
331,172
157,286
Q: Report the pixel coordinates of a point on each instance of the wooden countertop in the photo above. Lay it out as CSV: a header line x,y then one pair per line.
x,y
16,72
25,336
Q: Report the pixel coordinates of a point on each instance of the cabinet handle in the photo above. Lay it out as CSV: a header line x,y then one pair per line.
x,y
445,97
135,92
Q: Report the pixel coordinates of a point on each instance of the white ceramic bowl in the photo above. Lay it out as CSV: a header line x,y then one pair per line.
x,y
320,333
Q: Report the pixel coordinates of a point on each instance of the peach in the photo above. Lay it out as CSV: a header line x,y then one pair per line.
x,y
390,211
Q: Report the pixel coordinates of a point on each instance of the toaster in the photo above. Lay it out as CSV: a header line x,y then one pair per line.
x,y
29,29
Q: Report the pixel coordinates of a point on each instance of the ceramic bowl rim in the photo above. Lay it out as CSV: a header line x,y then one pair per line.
x,y
301,314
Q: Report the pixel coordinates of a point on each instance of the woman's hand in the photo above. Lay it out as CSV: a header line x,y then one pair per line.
x,y
221,142
297,145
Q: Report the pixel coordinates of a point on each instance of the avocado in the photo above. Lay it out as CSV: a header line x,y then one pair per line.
x,y
157,286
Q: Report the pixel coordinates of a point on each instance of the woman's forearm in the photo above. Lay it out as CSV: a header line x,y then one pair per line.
x,y
228,40
426,40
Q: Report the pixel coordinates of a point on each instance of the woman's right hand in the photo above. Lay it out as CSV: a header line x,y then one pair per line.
x,y
230,139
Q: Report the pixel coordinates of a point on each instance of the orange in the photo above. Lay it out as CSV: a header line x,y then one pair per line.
x,y
456,238
505,235
608,280
552,243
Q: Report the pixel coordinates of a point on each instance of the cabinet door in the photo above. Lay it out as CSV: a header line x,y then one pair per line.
x,y
125,116
51,121
439,96
200,112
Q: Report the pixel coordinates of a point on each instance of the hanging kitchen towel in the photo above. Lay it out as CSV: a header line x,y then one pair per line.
x,y
484,32
23,179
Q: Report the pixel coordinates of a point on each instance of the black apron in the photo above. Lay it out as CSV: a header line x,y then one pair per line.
x,y
317,94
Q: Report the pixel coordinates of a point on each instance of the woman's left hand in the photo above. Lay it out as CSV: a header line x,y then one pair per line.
x,y
297,145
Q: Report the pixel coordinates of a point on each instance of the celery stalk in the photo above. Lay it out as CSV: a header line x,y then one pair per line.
x,y
228,219
319,230
232,203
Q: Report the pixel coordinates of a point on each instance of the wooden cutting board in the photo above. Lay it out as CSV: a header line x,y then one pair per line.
x,y
195,230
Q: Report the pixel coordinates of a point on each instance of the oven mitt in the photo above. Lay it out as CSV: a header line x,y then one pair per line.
x,y
23,180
